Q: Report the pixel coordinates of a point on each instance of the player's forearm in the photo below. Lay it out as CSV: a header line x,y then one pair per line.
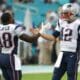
x,y
48,37
28,38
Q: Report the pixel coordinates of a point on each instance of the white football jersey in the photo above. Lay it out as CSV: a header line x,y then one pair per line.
x,y
9,38
69,35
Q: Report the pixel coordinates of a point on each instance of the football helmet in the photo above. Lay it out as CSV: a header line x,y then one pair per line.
x,y
68,12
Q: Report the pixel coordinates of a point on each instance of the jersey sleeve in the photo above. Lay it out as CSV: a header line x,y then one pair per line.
x,y
19,30
56,33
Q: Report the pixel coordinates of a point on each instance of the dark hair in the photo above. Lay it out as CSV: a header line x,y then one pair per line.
x,y
5,18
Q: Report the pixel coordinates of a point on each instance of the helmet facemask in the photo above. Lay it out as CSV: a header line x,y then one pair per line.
x,y
67,16
68,12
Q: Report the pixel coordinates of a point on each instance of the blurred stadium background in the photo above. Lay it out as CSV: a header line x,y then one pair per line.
x,y
32,13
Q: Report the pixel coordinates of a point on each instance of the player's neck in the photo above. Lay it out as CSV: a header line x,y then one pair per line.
x,y
70,21
5,23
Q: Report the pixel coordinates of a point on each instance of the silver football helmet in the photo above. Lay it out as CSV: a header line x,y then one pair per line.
x,y
68,12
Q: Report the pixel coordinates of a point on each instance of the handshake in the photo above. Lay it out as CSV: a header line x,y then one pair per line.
x,y
40,33
35,31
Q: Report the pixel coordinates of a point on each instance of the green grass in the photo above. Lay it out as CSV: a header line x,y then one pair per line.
x,y
42,76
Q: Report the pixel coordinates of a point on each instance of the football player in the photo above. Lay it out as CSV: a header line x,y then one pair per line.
x,y
9,34
68,30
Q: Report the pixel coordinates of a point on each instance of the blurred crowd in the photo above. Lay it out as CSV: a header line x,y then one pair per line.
x,y
47,1
4,7
43,52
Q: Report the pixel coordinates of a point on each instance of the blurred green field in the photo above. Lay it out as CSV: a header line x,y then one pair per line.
x,y
42,76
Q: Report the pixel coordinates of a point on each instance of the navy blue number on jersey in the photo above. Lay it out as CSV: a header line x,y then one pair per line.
x,y
66,34
6,40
